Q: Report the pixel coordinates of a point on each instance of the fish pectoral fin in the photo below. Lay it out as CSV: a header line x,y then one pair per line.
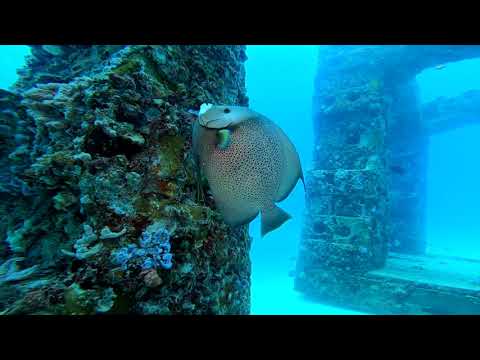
x,y
272,218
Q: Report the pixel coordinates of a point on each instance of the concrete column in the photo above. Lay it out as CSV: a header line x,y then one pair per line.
x,y
407,145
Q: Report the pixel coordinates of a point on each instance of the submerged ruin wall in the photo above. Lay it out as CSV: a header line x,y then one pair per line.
x,y
366,191
100,209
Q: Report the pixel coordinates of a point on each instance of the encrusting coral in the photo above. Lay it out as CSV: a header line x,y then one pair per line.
x,y
95,154
153,252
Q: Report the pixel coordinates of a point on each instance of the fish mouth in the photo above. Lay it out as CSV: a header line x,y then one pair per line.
x,y
206,123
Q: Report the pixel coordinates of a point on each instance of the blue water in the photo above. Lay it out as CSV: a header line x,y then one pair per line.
x,y
280,85
453,194
453,80
11,58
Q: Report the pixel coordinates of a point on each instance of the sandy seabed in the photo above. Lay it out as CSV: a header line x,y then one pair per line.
x,y
272,293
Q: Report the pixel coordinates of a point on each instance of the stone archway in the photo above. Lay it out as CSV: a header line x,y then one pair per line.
x,y
366,192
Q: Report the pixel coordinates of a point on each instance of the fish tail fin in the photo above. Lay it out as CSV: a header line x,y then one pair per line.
x,y
272,218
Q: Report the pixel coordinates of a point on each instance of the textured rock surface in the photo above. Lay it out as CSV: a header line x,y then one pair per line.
x,y
366,192
95,149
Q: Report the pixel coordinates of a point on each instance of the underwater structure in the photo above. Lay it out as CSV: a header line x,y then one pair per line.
x,y
101,211
363,242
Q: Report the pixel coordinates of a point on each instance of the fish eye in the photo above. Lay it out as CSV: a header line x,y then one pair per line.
x,y
226,110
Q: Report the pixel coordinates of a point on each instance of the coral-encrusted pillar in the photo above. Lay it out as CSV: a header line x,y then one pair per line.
x,y
345,229
102,212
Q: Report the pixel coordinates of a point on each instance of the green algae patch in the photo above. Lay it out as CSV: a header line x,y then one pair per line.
x,y
170,156
130,66
375,85
78,301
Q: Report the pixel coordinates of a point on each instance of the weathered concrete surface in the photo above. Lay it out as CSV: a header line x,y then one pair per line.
x,y
447,113
95,149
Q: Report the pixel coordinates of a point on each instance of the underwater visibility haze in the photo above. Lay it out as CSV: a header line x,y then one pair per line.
x,y
266,179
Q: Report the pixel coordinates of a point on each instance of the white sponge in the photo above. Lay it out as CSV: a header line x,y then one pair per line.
x,y
204,108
